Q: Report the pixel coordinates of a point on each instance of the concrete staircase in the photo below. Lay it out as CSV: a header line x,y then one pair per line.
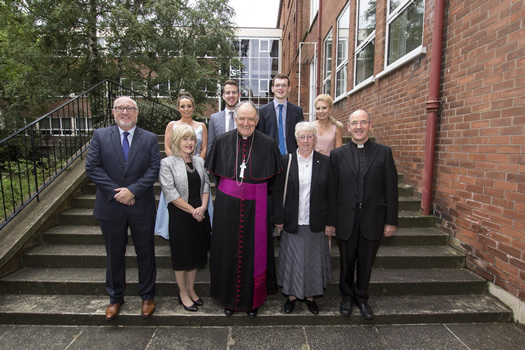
x,y
417,278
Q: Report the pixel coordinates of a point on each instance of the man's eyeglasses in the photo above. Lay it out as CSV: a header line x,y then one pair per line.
x,y
306,137
122,109
356,123
278,86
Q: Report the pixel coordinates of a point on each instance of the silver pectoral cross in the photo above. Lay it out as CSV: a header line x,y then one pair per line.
x,y
242,166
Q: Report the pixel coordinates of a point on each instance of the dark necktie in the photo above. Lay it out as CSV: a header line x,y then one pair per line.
x,y
125,146
282,146
231,123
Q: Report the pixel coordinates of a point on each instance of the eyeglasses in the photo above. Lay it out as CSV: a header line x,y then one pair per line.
x,y
306,137
122,109
278,86
356,123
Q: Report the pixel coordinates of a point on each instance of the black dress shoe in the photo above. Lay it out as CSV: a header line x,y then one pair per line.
x,y
366,311
312,306
345,308
289,306
228,312
191,308
198,302
252,314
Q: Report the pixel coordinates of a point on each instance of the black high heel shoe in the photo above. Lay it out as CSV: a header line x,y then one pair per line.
x,y
198,302
191,308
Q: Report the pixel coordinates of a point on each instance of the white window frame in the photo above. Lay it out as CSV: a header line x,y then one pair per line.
x,y
327,64
343,66
391,17
359,48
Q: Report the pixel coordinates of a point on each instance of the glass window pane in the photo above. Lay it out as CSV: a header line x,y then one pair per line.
x,y
254,48
406,31
343,26
394,4
340,83
245,45
365,63
328,56
367,20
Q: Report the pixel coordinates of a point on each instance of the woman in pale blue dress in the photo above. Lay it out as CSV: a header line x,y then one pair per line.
x,y
186,106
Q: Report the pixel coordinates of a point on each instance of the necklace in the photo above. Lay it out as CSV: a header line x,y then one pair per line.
x,y
188,169
244,160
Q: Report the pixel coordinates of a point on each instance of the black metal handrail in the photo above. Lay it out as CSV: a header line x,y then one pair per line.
x,y
35,155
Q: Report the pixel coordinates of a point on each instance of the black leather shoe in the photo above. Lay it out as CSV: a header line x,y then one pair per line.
x,y
312,306
191,308
345,308
289,306
366,311
228,312
198,302
252,314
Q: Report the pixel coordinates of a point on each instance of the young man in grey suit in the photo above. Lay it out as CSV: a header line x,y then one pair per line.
x,y
366,209
279,117
124,161
223,121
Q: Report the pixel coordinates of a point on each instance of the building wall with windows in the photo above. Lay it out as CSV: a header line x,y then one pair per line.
x,y
376,55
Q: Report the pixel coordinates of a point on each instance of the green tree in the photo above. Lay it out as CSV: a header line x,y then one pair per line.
x,y
59,47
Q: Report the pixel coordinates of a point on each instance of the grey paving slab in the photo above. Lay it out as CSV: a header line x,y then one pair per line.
x,y
421,337
261,338
489,336
345,337
41,337
190,338
117,337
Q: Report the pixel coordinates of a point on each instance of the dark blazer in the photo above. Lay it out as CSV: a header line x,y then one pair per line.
x,y
322,195
268,123
106,168
380,200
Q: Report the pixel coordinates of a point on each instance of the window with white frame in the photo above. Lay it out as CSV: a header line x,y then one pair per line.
x,y
327,71
365,41
404,28
343,28
314,8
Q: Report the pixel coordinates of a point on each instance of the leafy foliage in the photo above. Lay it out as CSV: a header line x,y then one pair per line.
x,y
54,48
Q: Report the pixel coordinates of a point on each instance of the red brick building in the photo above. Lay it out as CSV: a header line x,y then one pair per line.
x,y
378,56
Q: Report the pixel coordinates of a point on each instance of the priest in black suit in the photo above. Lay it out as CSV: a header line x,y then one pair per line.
x,y
244,162
367,209
279,117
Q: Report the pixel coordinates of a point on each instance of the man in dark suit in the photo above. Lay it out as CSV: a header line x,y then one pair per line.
x,y
366,197
223,121
124,162
279,117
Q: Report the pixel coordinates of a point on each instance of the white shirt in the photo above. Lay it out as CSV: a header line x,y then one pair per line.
x,y
305,181
227,123
130,136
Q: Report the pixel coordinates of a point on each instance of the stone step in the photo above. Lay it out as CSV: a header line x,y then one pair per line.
x,y
404,190
94,256
84,217
90,310
88,201
77,234
90,281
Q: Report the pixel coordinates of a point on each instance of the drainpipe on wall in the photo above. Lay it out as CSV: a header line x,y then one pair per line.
x,y
433,106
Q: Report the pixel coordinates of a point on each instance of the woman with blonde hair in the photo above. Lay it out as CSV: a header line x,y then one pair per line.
x,y
186,188
329,130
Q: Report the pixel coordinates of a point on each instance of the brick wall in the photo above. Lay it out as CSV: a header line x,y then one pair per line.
x,y
479,176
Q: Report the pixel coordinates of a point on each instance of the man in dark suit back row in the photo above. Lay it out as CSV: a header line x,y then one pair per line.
x,y
278,118
124,161
366,208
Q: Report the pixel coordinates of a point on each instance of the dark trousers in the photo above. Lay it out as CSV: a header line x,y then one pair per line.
x,y
357,256
115,234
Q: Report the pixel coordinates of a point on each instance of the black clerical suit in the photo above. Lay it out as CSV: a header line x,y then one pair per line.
x,y
364,205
